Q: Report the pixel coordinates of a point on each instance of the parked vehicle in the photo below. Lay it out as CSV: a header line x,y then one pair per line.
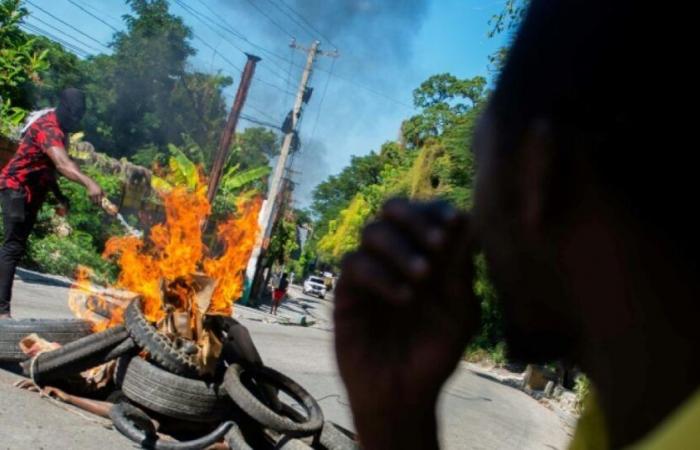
x,y
315,286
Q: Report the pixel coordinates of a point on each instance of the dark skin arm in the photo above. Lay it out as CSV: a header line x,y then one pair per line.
x,y
405,310
70,170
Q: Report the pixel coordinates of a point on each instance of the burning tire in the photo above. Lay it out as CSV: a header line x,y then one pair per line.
x,y
172,395
81,354
137,426
161,349
262,413
61,331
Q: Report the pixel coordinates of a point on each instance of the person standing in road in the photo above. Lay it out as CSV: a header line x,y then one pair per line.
x,y
31,174
279,292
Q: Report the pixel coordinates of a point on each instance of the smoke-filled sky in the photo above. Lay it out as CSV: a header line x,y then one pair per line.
x,y
386,49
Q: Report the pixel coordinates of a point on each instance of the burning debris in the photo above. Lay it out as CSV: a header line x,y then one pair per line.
x,y
178,283
164,345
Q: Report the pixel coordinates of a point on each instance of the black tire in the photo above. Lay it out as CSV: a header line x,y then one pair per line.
x,y
172,395
160,349
334,437
262,413
62,331
234,438
81,354
289,443
135,425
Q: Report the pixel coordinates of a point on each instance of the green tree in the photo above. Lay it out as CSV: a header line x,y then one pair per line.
x,y
506,21
254,147
333,195
344,233
20,64
63,69
142,97
443,99
283,241
435,160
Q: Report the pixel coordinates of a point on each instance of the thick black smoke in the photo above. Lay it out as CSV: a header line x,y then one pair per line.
x,y
375,41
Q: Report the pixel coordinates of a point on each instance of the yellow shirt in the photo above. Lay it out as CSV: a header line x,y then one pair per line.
x,y
680,431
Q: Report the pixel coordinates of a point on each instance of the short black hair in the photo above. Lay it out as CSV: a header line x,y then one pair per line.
x,y
608,75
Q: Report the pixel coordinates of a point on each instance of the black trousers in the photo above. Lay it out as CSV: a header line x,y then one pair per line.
x,y
18,218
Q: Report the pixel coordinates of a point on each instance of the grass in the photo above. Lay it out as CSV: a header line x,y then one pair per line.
x,y
495,356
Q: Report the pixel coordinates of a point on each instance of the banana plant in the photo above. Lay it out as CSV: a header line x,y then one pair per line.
x,y
182,172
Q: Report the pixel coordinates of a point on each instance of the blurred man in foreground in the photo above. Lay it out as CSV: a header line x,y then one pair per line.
x,y
583,211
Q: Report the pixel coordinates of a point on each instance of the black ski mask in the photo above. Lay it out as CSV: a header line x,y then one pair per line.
x,y
70,109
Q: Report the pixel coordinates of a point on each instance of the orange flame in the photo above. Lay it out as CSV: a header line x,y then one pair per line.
x,y
102,307
175,254
238,235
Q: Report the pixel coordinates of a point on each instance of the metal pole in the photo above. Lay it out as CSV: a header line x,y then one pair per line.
x,y
222,151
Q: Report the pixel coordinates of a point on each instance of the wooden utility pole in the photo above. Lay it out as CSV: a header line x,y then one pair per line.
x,y
222,151
271,206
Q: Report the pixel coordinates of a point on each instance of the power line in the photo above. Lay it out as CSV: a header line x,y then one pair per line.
x,y
296,22
283,3
93,15
291,62
272,85
289,74
259,111
216,53
234,32
260,122
98,11
370,90
38,31
284,30
199,16
240,36
254,108
51,26
66,24
323,97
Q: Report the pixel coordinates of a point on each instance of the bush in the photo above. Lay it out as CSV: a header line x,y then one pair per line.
x,y
63,255
47,252
582,389
87,217
495,355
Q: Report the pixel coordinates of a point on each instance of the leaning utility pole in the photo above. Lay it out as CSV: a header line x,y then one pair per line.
x,y
222,151
277,176
269,209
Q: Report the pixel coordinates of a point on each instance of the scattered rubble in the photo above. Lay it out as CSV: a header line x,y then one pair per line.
x,y
534,383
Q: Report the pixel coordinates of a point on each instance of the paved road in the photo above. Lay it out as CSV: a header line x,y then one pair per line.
x,y
475,413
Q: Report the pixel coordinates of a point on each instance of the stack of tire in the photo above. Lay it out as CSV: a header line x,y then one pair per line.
x,y
240,405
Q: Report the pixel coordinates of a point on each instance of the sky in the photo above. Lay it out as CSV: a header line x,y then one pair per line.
x,y
385,50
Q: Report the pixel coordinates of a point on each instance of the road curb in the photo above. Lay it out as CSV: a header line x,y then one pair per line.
x,y
516,382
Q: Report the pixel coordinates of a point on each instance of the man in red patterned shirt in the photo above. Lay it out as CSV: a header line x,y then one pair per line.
x,y
31,174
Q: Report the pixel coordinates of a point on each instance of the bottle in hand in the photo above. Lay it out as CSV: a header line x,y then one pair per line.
x,y
109,207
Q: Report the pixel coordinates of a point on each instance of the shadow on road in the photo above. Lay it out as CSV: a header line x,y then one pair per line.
x,y
37,278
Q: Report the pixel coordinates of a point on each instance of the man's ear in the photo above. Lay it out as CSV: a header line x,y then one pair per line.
x,y
537,157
